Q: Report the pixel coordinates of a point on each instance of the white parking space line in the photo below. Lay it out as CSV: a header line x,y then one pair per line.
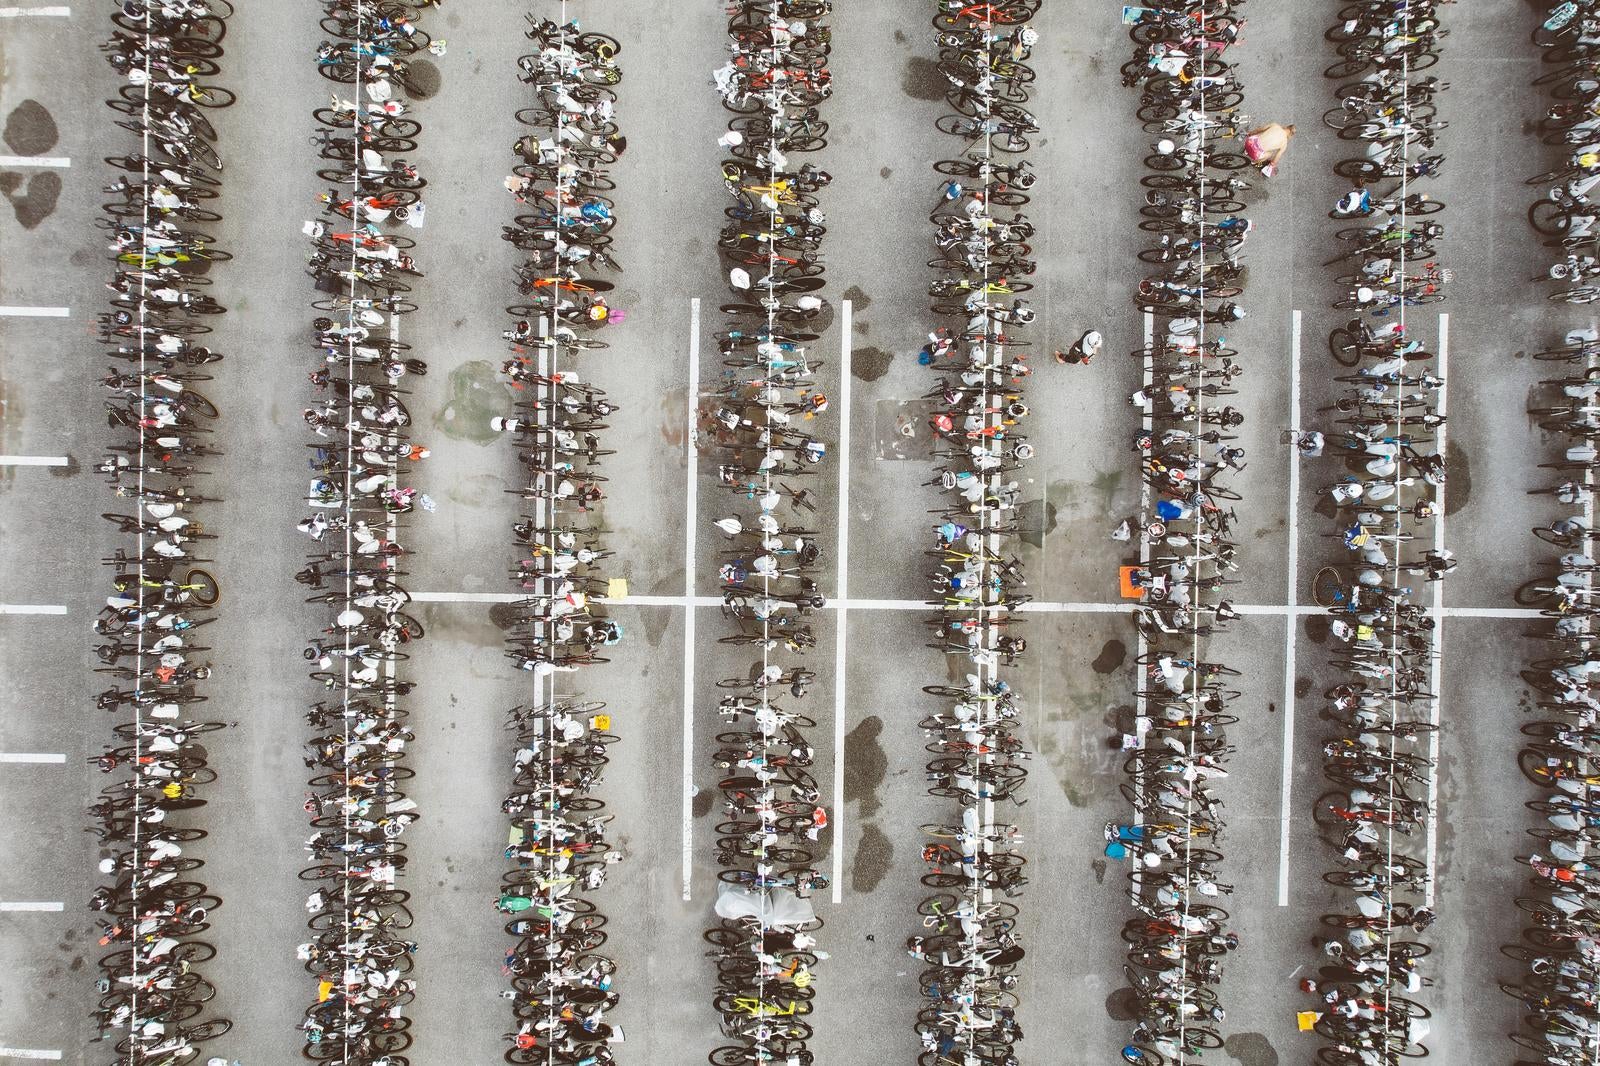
x,y
34,757
1142,643
27,1052
35,12
1291,626
35,906
33,608
1438,624
1037,607
58,161
29,311
34,460
691,521
840,633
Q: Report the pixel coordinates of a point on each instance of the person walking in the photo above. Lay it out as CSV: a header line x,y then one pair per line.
x,y
1087,347
1265,145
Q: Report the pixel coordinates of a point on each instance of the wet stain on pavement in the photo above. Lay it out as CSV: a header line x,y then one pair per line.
x,y
865,765
673,427
872,859
37,201
920,79
1458,478
702,801
1122,1005
1106,485
503,616
476,395
1302,687
30,130
476,490
859,301
1099,868
1111,656
655,626
1317,628
1252,1049
1036,519
870,364
900,37
885,173
422,78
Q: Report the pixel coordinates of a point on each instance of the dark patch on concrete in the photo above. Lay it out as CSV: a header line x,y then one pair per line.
x,y
1106,485
900,37
72,469
1458,478
1122,1005
476,396
1302,687
701,804
1099,868
1317,628
865,765
30,130
76,964
920,79
422,78
884,173
872,859
38,202
1252,1049
869,364
1113,655
10,181
655,626
1036,519
503,615
859,301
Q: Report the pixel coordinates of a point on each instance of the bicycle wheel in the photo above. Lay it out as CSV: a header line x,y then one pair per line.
x,y
1328,587
1548,218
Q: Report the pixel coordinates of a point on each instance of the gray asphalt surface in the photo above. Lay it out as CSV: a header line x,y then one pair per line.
x,y
1084,481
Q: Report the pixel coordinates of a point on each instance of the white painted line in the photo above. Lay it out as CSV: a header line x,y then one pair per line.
x,y
1438,625
690,522
34,460
27,1052
59,161
1142,643
37,906
840,631
1038,607
35,12
465,597
1292,628
34,312
32,608
39,757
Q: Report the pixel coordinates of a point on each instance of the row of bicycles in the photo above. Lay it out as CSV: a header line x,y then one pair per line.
x,y
1380,762
761,427
1566,214
153,910
969,946
1178,746
361,461
561,985
1560,946
1561,938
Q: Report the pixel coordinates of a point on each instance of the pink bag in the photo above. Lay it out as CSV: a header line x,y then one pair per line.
x,y
1252,148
